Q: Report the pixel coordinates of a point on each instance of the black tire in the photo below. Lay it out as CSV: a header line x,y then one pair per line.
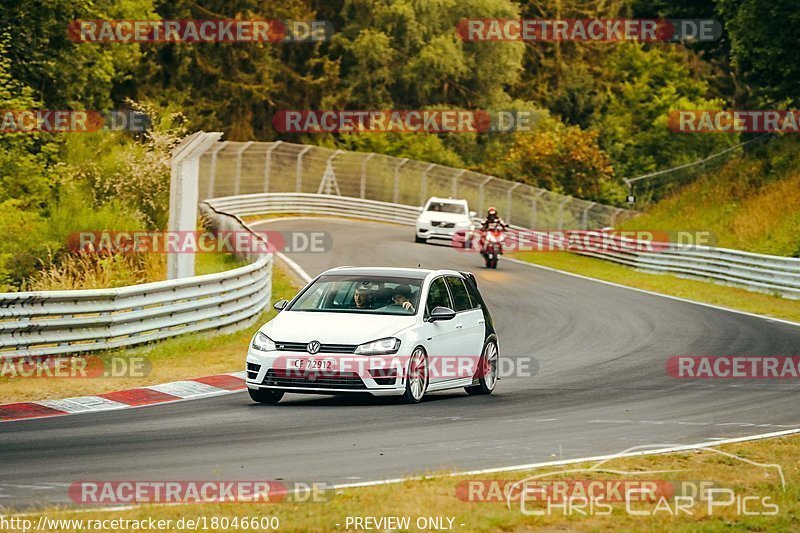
x,y
265,396
494,262
420,239
414,396
484,386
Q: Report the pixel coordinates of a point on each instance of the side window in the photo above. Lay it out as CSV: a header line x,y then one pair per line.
x,y
438,295
460,296
472,289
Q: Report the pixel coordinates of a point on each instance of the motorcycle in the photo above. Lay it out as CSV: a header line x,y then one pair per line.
x,y
492,247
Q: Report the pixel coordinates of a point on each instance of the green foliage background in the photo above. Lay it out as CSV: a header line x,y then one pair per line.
x,y
601,107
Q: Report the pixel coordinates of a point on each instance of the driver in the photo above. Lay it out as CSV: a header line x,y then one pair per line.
x,y
401,295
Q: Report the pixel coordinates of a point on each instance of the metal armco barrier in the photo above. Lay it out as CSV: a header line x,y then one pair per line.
x,y
762,273
65,322
313,204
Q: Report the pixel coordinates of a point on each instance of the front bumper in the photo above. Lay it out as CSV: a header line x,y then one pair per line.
x,y
426,231
349,373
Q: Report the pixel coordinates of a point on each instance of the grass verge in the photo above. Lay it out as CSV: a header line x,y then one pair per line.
x,y
187,356
752,203
700,291
439,497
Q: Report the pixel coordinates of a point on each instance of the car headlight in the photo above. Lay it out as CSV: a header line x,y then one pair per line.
x,y
263,343
424,221
379,347
463,224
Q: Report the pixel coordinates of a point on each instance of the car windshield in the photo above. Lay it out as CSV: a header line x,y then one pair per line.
x,y
375,295
447,207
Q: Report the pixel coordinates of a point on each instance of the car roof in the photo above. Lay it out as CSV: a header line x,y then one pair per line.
x,y
447,200
413,273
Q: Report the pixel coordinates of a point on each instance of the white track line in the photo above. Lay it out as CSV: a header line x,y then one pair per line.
x,y
645,291
532,466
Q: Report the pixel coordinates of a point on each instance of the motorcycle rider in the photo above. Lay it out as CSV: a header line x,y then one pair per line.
x,y
493,221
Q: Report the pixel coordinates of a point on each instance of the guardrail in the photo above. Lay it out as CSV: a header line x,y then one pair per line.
x,y
314,204
759,273
755,272
72,321
64,322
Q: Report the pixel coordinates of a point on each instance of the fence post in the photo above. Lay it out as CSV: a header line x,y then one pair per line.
x,y
561,213
298,180
363,189
614,216
535,208
268,164
213,175
508,200
454,183
396,190
184,195
328,182
423,190
238,176
481,202
585,216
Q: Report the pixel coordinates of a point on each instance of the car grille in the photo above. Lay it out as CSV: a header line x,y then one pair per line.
x,y
327,380
437,224
252,370
324,348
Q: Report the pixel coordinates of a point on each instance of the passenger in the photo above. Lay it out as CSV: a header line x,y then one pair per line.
x,y
362,298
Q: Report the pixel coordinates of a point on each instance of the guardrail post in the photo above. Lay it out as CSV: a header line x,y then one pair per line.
x,y
238,176
268,164
423,190
396,191
363,188
298,181
184,195
213,175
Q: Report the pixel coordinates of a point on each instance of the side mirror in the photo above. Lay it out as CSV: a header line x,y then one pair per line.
x,y
280,304
442,313
473,214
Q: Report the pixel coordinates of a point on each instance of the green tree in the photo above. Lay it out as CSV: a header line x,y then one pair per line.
x,y
64,73
407,54
764,47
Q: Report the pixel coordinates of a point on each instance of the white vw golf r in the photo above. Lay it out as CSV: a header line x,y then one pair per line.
x,y
382,331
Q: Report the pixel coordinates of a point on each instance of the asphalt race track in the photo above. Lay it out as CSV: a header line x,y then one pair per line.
x,y
600,386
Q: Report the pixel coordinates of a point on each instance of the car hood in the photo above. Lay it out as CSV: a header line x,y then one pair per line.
x,y
445,217
334,328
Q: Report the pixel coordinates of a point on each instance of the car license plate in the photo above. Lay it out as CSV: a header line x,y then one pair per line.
x,y
310,364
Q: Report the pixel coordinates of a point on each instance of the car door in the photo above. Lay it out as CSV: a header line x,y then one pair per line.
x,y
441,336
468,325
